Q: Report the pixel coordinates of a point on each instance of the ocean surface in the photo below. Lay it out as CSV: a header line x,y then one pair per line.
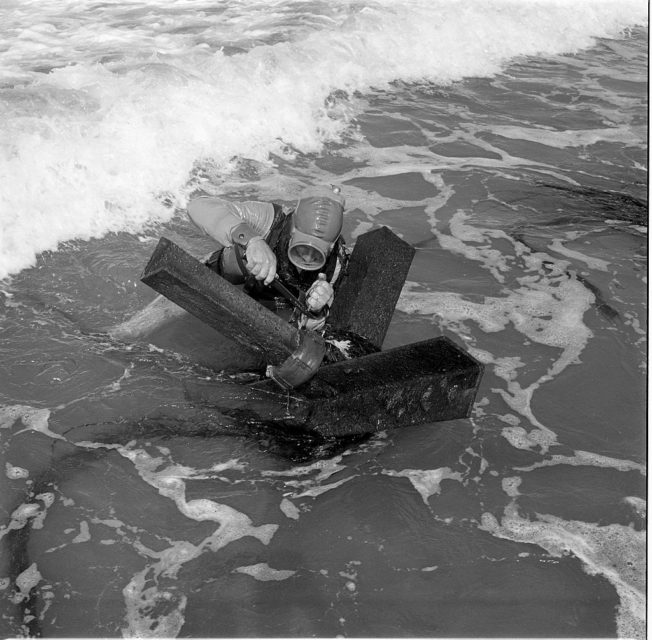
x,y
506,140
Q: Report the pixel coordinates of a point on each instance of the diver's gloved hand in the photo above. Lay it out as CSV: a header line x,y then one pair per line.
x,y
261,261
320,294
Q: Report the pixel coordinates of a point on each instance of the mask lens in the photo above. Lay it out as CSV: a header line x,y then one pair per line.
x,y
306,257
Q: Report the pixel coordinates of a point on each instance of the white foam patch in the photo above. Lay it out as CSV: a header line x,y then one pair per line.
x,y
289,509
48,600
219,467
323,469
519,438
548,311
126,374
21,516
141,601
638,504
9,414
614,551
25,582
33,419
632,321
48,500
315,475
510,419
484,463
141,597
593,263
233,525
586,458
153,585
546,305
84,534
112,523
511,485
462,235
350,576
169,481
567,138
15,473
263,572
426,482
313,492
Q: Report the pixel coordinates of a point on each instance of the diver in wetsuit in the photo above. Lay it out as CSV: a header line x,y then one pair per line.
x,y
262,242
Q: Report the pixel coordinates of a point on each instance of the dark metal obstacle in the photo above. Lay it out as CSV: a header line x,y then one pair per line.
x,y
375,275
428,381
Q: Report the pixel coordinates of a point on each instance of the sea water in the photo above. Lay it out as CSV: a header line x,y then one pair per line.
x,y
505,140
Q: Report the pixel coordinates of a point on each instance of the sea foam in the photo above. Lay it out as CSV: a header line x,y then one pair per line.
x,y
108,112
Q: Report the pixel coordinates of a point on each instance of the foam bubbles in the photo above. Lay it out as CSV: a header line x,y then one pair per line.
x,y
20,517
142,601
289,509
613,551
519,438
593,263
33,419
263,572
313,492
15,473
140,596
26,581
585,458
427,482
84,534
546,305
511,485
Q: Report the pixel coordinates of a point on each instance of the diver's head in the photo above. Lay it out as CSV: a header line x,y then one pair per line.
x,y
317,224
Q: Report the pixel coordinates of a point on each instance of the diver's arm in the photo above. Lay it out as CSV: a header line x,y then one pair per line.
x,y
221,219
225,222
243,223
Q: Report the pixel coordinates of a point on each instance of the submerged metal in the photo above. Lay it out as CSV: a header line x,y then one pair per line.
x,y
428,381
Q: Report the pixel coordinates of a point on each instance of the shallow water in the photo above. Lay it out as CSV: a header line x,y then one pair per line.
x,y
130,509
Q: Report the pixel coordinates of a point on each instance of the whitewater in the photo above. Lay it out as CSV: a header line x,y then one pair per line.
x,y
108,109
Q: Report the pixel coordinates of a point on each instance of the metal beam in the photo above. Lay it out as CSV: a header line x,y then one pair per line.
x,y
193,286
375,275
418,383
423,382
